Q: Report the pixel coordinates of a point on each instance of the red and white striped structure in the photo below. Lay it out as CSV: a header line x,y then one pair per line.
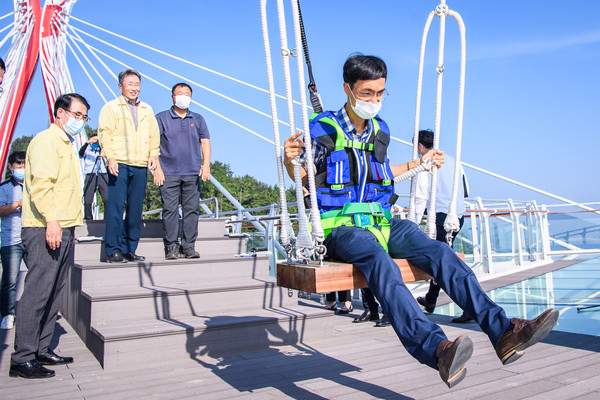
x,y
57,79
20,63
35,32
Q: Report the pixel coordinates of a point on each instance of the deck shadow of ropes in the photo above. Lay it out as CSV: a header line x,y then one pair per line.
x,y
283,370
219,348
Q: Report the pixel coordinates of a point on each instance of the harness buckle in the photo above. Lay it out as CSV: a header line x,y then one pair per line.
x,y
362,220
376,213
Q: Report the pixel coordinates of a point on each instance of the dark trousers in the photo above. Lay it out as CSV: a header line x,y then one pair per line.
x,y
11,264
417,333
94,182
184,190
440,235
125,192
43,292
368,300
343,296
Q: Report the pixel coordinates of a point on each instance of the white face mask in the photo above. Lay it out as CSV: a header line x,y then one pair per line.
x,y
365,109
183,102
73,126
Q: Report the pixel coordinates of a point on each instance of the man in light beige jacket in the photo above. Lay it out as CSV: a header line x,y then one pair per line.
x,y
130,140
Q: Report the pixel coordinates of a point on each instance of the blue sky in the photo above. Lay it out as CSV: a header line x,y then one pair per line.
x,y
531,97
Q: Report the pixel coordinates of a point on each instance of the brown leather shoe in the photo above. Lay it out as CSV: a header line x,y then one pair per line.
x,y
526,333
452,357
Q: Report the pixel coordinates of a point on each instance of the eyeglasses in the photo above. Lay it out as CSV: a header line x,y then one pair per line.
x,y
78,115
131,85
368,95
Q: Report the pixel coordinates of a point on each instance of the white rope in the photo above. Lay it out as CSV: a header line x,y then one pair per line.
x,y
89,62
177,75
86,71
303,240
193,101
7,15
424,166
413,184
179,59
9,34
287,232
441,12
7,26
451,223
93,51
514,182
53,52
315,216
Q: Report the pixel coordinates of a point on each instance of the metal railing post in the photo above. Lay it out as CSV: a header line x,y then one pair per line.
x,y
486,243
544,232
517,245
270,242
532,233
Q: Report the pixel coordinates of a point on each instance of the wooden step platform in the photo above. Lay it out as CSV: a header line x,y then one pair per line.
x,y
336,276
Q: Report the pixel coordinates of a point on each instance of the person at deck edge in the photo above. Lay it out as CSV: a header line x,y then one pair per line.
x,y
130,140
360,174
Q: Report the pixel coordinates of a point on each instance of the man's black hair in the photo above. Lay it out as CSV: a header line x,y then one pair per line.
x,y
64,101
426,138
360,67
2,66
181,84
16,156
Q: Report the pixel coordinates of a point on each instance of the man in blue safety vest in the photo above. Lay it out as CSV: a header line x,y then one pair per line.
x,y
354,181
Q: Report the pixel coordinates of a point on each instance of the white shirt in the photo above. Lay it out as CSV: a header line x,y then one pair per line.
x,y
445,180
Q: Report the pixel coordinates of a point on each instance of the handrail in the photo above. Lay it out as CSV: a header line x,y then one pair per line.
x,y
202,202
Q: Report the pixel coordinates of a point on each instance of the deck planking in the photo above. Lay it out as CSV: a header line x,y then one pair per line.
x,y
359,361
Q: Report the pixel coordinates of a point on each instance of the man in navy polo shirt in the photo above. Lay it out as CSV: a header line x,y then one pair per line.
x,y
184,159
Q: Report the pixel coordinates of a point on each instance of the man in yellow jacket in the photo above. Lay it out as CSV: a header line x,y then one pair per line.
x,y
130,140
51,210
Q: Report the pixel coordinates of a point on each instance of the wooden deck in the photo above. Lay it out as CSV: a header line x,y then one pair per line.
x,y
358,362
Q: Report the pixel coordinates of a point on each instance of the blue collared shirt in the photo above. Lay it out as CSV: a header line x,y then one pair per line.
x,y
180,149
10,225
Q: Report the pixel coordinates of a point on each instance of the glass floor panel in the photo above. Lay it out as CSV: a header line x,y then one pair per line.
x,y
573,290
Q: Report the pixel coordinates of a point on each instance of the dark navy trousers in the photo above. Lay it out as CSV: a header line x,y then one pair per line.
x,y
417,333
125,193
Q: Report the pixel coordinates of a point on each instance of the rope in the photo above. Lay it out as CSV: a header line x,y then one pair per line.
x,y
441,11
413,184
303,240
287,232
193,101
178,58
86,71
424,166
5,28
97,58
452,224
7,15
315,216
315,99
179,76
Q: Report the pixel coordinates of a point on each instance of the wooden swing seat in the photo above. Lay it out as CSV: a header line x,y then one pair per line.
x,y
337,276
